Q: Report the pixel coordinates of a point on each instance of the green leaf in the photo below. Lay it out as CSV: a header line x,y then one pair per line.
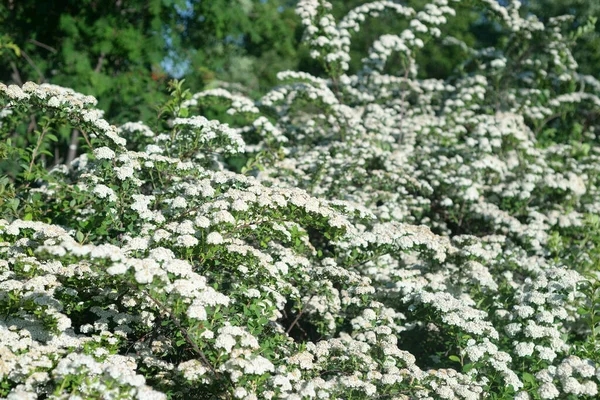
x,y
467,367
454,358
528,378
582,311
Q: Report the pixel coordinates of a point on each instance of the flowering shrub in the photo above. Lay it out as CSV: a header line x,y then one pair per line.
x,y
389,237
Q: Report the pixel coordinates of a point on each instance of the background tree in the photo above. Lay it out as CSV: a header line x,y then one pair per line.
x,y
124,52
587,51
109,49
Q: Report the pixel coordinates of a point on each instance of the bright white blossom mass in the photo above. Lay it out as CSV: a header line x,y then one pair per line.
x,y
389,237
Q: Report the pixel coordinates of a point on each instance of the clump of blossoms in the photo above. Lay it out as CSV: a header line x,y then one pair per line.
x,y
390,237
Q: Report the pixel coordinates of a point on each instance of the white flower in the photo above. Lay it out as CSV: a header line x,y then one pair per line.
x,y
179,202
225,342
192,370
240,392
117,269
124,172
252,293
54,102
545,353
197,312
144,275
104,153
498,63
524,349
214,238
304,360
522,396
186,241
202,222
548,391
103,192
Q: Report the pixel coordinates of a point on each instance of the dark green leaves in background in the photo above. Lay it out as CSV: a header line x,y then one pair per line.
x,y
124,51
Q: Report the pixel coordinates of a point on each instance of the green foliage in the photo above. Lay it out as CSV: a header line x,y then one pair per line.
x,y
108,49
388,236
123,52
584,26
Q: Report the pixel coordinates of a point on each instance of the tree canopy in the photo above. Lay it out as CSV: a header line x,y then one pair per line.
x,y
124,52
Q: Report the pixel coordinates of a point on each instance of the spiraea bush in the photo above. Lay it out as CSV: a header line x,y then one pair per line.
x,y
388,237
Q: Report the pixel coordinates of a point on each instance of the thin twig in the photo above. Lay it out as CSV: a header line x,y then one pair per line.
x,y
34,66
298,316
87,140
72,146
182,330
32,124
56,156
99,63
249,224
45,46
37,147
544,122
16,76
142,339
402,99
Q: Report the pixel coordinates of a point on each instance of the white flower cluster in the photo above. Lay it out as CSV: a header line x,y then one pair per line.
x,y
567,373
133,128
238,102
460,161
75,104
210,134
405,238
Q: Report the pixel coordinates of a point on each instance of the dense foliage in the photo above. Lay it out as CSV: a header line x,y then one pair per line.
x,y
124,52
388,236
